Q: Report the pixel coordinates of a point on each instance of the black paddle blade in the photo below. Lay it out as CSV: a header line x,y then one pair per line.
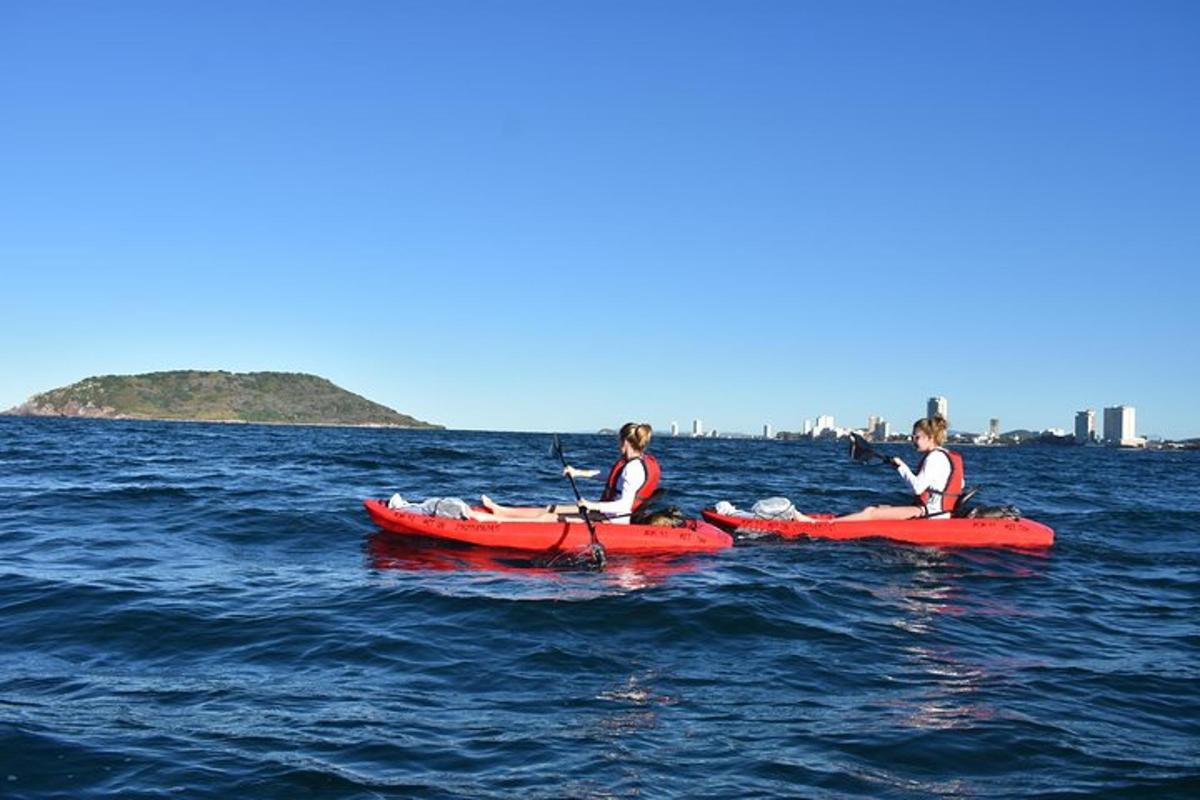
x,y
860,451
556,450
585,559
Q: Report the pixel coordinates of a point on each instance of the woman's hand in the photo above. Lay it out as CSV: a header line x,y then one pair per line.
x,y
895,461
575,472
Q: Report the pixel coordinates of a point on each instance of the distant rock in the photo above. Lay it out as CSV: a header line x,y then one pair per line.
x,y
268,397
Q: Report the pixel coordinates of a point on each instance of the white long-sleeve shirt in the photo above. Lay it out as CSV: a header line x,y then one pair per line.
x,y
934,474
633,478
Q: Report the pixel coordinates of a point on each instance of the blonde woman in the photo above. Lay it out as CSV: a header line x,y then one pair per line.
x,y
936,485
631,481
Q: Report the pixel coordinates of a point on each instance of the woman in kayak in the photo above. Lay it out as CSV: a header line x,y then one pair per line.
x,y
631,481
936,486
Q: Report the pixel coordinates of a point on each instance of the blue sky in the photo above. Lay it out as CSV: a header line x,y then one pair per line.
x,y
564,215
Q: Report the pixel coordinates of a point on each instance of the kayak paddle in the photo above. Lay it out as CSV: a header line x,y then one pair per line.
x,y
597,549
861,452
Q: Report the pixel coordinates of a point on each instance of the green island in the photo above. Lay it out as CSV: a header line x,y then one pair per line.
x,y
282,398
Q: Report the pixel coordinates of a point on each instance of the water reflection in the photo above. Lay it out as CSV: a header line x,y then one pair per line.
x,y
932,597
387,552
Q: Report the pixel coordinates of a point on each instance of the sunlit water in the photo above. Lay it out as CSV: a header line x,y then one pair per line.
x,y
206,611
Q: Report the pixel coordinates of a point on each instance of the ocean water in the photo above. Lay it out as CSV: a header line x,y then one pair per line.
x,y
205,611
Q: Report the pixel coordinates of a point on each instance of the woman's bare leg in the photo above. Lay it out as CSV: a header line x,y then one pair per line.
x,y
523,514
513,512
883,512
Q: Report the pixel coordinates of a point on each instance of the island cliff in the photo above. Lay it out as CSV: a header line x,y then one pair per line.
x,y
266,397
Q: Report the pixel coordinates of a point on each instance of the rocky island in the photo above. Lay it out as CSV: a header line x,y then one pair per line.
x,y
265,397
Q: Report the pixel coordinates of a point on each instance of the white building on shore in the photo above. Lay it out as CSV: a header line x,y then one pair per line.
x,y
938,405
1085,426
1119,428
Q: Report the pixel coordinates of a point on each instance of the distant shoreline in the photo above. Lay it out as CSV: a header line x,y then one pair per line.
x,y
97,418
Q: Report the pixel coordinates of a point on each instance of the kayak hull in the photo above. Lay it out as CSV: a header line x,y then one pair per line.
x,y
695,535
966,532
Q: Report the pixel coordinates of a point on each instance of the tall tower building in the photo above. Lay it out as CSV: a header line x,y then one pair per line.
x,y
808,427
1119,426
767,433
881,431
697,428
938,405
994,428
1085,426
872,424
674,428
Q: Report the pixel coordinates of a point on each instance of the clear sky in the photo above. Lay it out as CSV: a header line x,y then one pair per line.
x,y
565,215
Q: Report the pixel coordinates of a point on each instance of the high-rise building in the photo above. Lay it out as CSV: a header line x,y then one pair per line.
x,y
824,423
767,431
994,428
872,423
674,428
1085,426
697,428
1119,426
938,405
882,430
808,427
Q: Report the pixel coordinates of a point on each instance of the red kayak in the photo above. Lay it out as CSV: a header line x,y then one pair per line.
x,y
695,535
965,532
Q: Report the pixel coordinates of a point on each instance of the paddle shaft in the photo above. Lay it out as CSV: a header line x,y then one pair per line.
x,y
597,548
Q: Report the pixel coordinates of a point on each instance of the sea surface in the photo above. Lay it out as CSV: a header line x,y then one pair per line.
x,y
205,611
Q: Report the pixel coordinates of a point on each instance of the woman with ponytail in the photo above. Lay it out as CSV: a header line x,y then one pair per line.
x,y
936,485
631,481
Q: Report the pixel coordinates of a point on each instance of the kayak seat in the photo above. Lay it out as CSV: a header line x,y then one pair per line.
x,y
655,511
961,508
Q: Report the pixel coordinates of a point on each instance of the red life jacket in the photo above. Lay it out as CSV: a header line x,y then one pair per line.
x,y
612,488
954,486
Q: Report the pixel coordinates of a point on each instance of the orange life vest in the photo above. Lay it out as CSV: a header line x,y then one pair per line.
x,y
954,486
612,488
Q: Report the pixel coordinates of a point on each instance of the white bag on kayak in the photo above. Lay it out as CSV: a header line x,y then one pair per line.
x,y
774,508
728,509
448,507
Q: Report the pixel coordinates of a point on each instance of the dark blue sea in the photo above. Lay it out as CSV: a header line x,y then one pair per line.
x,y
205,611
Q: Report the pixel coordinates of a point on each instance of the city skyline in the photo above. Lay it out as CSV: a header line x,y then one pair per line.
x,y
1123,418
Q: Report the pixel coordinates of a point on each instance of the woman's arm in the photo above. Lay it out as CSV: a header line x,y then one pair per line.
x,y
935,472
633,477
575,472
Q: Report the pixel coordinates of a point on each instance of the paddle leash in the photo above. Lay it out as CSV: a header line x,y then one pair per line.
x,y
597,549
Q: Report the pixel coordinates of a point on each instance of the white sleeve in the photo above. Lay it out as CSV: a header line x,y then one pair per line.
x,y
633,477
934,472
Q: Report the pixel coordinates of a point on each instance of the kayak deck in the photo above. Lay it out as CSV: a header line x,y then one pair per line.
x,y
694,536
955,532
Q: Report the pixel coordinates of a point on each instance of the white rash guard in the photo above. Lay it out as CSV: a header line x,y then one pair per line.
x,y
934,474
633,478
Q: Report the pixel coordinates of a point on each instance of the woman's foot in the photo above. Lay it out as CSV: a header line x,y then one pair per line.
x,y
488,503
